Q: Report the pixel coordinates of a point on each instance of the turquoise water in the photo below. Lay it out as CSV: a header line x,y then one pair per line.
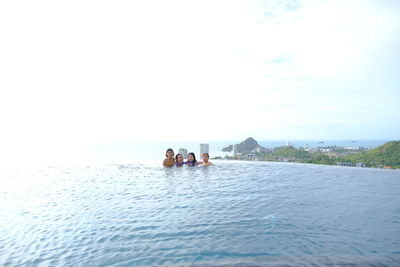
x,y
232,213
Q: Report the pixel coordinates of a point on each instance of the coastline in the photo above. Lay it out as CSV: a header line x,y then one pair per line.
x,y
374,154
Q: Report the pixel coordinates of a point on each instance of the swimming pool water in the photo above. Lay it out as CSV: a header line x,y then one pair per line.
x,y
244,213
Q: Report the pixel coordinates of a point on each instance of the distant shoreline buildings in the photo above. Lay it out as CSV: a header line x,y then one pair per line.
x,y
204,148
385,156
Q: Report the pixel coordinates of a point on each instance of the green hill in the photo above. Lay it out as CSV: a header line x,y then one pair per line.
x,y
290,152
299,155
385,155
247,146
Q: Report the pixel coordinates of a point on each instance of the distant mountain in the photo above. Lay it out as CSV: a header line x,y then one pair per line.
x,y
385,155
247,146
250,145
228,148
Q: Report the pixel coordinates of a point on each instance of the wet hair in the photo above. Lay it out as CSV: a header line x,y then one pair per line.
x,y
169,149
176,157
194,157
208,156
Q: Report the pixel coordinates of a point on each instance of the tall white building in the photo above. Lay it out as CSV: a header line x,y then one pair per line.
x,y
184,152
204,148
235,150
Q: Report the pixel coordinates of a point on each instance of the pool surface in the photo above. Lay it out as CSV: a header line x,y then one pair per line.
x,y
230,214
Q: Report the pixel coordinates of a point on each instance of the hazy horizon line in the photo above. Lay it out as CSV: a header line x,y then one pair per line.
x,y
258,140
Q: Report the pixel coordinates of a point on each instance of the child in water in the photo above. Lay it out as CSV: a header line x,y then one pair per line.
x,y
205,158
191,159
179,160
170,160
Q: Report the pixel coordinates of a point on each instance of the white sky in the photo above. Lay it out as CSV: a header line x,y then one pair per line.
x,y
78,72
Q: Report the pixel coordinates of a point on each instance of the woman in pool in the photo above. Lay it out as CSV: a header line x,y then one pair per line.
x,y
179,160
205,158
191,159
170,160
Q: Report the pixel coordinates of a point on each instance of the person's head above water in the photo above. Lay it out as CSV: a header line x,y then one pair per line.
x,y
205,157
169,161
169,153
179,158
191,157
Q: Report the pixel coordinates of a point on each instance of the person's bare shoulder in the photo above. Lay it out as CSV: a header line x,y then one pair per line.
x,y
168,162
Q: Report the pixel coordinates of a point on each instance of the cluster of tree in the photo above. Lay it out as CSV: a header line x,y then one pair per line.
x,y
385,155
299,155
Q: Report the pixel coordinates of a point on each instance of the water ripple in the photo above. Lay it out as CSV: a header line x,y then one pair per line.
x,y
229,214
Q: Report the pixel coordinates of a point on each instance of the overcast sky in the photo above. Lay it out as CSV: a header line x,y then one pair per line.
x,y
109,71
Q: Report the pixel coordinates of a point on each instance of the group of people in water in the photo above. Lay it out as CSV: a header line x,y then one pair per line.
x,y
178,160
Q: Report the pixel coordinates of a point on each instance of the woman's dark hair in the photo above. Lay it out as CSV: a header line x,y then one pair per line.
x,y
194,157
176,157
169,149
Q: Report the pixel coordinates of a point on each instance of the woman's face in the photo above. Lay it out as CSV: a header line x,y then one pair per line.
x,y
180,158
190,157
204,157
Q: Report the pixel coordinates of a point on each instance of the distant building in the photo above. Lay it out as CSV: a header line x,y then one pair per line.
x,y
348,164
184,152
352,148
251,157
235,150
360,164
257,149
289,144
204,148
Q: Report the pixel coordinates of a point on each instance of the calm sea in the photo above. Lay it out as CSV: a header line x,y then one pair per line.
x,y
233,213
